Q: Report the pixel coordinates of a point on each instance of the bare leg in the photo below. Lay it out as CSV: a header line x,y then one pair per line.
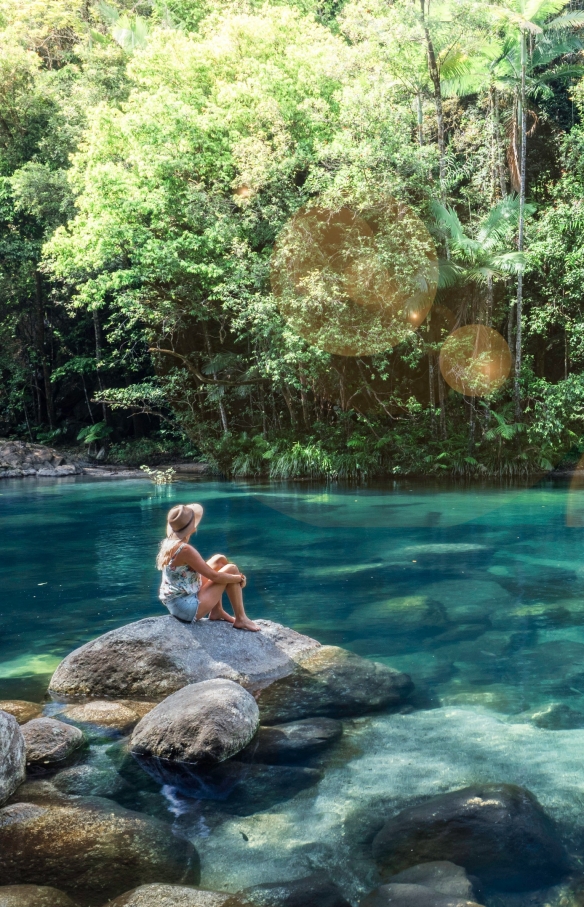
x,y
218,612
211,594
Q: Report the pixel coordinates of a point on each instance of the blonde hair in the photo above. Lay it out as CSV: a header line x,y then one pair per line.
x,y
165,552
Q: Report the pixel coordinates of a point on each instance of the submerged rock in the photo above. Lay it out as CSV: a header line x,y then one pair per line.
x,y
120,716
173,896
440,875
89,781
204,722
288,743
22,710
33,896
334,683
409,895
498,832
12,756
90,848
238,788
50,742
557,716
152,658
315,890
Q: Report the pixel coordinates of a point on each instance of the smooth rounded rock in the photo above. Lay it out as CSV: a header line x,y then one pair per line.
x,y
12,756
557,716
498,832
440,875
90,848
50,743
406,895
334,683
316,890
22,710
154,657
33,896
120,716
238,788
89,781
173,896
203,722
289,743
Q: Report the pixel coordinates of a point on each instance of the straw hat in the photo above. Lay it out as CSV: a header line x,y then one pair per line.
x,y
183,519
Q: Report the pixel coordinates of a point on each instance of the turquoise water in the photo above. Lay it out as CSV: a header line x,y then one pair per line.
x,y
477,592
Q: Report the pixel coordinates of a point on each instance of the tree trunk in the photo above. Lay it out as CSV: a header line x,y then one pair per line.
x,y
499,157
40,345
97,332
222,413
420,120
437,92
519,307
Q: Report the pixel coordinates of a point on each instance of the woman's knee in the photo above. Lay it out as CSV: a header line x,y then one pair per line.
x,y
229,568
217,561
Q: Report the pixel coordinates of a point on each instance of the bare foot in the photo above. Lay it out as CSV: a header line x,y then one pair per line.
x,y
246,624
221,615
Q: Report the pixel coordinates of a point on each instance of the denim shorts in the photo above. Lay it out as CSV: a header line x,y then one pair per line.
x,y
184,607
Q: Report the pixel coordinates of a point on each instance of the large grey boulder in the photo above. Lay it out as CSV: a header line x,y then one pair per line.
x,y
498,832
173,896
12,756
50,743
152,658
33,896
90,848
333,683
203,722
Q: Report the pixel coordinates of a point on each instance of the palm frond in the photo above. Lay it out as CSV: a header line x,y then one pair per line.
x,y
572,19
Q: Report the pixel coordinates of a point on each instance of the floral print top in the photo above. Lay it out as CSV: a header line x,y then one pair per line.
x,y
182,580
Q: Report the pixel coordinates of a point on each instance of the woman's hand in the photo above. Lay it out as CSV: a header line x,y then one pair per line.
x,y
243,582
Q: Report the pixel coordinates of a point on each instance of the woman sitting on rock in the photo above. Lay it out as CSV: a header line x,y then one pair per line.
x,y
192,588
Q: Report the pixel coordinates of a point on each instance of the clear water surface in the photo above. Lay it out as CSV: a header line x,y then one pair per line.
x,y
477,592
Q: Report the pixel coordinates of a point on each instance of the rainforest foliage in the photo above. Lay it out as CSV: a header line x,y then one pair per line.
x,y
167,170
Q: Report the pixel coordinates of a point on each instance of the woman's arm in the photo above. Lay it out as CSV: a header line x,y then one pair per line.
x,y
191,556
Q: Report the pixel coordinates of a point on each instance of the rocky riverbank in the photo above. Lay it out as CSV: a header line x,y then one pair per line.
x,y
266,768
19,459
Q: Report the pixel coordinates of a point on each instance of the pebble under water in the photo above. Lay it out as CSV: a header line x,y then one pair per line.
x,y
476,592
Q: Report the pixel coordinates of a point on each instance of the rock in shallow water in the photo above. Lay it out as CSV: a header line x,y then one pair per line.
x,y
33,896
334,683
289,743
498,832
440,875
557,716
203,722
409,895
315,890
50,743
90,848
237,788
120,716
152,658
173,896
22,710
12,756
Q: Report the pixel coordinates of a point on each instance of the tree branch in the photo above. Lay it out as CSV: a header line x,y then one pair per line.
x,y
195,371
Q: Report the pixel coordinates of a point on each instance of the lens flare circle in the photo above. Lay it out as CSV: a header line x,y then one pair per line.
x,y
475,360
354,283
